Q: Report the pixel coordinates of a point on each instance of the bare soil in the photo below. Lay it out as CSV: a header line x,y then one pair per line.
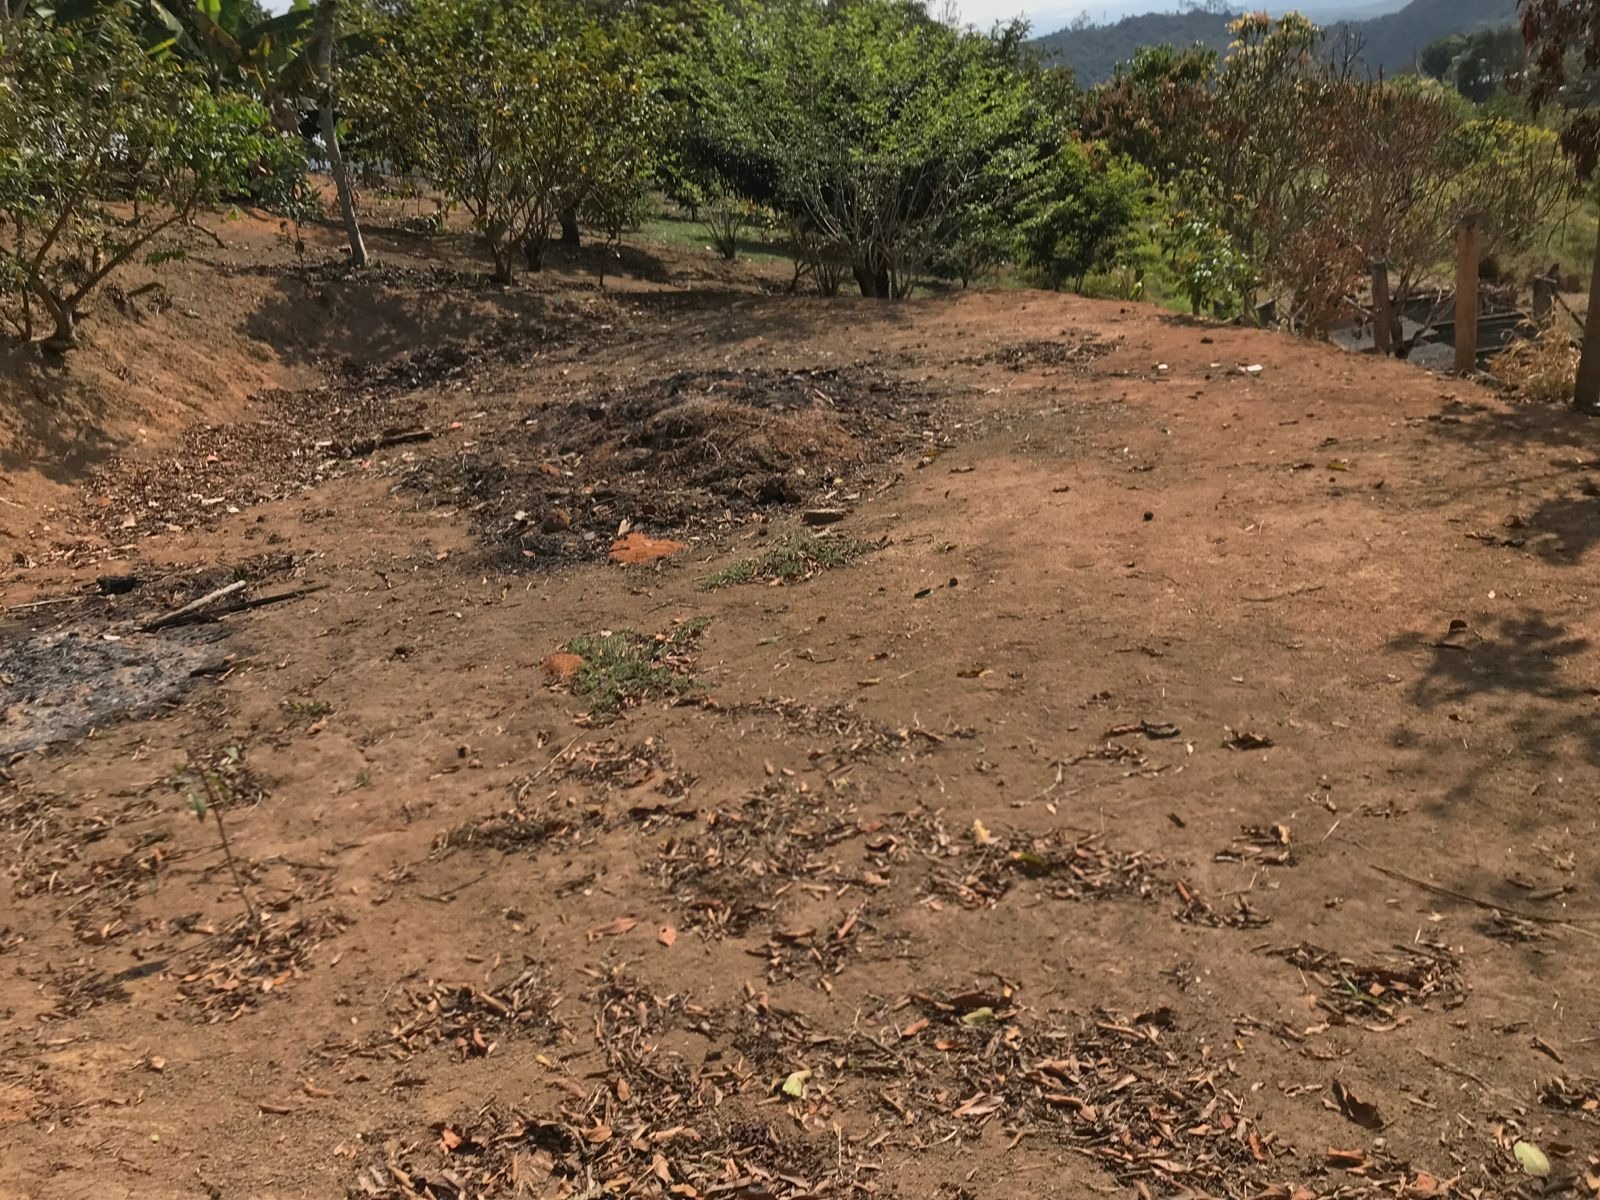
x,y
1192,792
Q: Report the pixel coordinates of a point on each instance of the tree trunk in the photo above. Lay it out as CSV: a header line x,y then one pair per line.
x,y
330,135
533,252
65,336
873,280
504,255
1587,396
570,234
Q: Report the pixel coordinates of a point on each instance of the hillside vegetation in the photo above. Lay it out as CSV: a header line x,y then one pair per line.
x,y
1390,42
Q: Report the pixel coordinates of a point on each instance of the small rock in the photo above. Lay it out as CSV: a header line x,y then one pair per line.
x,y
637,548
560,668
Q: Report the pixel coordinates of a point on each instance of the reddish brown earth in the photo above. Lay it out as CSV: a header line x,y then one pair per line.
x,y
1193,791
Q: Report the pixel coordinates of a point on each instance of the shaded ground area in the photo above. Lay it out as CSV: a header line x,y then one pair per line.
x,y
1192,791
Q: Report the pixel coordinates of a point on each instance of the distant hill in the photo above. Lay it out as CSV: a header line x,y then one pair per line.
x,y
1391,41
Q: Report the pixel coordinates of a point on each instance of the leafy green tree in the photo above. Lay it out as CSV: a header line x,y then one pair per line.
x,y
1326,182
867,124
516,109
1080,213
1209,267
103,149
1476,64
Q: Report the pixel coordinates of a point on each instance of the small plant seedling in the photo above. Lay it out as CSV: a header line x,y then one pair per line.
x,y
793,560
621,668
216,792
309,710
364,778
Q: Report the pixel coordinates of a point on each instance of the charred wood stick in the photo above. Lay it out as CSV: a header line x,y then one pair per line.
x,y
178,614
196,618
382,441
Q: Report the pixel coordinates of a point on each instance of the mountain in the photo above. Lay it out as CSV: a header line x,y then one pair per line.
x,y
1391,39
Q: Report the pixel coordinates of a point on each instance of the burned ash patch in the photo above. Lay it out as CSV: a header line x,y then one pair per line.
x,y
687,453
61,684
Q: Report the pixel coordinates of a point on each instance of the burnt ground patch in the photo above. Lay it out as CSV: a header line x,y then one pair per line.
x,y
64,683
685,453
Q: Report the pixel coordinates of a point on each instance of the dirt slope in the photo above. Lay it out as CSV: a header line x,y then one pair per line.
x,y
1077,839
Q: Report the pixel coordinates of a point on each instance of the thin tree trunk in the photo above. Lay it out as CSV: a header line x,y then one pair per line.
x,y
330,135
570,234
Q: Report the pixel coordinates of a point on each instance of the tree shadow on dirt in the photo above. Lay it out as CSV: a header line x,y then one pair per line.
x,y
1493,429
51,422
715,318
1564,529
388,313
1564,524
1521,656
1519,699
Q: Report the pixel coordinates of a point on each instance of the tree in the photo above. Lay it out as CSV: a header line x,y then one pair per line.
x,y
867,124
1079,213
1476,64
1563,40
103,149
327,36
1323,180
517,109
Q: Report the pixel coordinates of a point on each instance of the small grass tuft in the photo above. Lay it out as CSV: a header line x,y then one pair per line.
x,y
622,668
793,560
307,710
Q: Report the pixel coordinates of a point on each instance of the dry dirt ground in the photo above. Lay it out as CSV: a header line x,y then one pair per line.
x,y
1189,789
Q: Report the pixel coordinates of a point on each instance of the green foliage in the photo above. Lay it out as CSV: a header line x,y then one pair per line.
x,y
795,559
103,148
1080,214
1312,174
1476,63
870,127
622,668
516,110
1210,270
726,217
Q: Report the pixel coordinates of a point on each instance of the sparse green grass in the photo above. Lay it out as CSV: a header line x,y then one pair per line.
x,y
757,244
308,710
796,558
622,668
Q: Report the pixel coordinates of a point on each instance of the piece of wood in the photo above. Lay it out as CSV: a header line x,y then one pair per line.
x,y
178,614
1467,298
228,610
1524,914
393,437
1382,310
43,603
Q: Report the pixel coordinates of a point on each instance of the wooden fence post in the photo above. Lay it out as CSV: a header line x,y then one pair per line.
x,y
1467,298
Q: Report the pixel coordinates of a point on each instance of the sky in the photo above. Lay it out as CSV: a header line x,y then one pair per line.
x,y
1046,16
1049,15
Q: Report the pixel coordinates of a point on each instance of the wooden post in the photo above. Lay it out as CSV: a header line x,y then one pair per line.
x,y
1544,297
1467,298
1382,313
